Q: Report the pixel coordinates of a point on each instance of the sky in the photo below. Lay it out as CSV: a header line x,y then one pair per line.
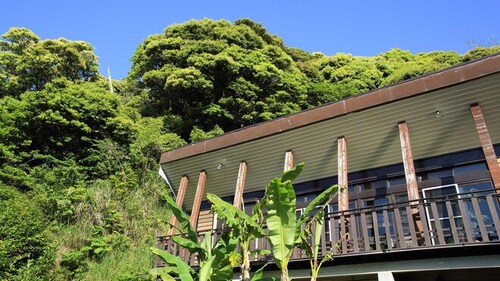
x,y
362,28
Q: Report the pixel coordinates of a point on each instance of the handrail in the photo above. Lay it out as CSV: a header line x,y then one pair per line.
x,y
466,219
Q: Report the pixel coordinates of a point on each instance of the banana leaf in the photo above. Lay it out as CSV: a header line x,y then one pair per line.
x,y
281,218
182,218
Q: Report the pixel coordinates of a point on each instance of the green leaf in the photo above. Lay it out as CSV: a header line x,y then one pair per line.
x,y
185,270
191,246
206,269
321,199
281,219
207,243
292,174
182,218
319,220
164,273
223,274
259,275
261,252
234,217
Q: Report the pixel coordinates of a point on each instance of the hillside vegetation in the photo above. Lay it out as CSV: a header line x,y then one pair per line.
x,y
80,198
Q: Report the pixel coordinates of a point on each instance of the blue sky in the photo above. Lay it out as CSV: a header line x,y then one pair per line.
x,y
366,28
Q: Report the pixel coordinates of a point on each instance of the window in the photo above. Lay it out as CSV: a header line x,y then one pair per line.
x,y
440,174
397,181
470,168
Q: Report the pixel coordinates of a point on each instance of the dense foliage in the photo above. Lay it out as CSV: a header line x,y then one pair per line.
x,y
78,183
79,195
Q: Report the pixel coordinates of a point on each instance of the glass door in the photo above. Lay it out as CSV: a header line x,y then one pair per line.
x,y
439,195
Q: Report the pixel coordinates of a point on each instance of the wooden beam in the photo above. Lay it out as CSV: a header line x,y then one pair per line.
x,y
240,185
486,144
195,211
288,161
411,178
179,200
343,197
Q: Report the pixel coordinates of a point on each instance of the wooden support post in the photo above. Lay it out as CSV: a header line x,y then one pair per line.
x,y
195,211
179,200
343,195
240,185
486,144
411,178
288,161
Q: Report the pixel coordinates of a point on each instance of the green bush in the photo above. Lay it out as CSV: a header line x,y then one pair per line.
x,y
24,243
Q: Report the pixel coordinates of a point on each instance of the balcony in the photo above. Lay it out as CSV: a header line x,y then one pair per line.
x,y
459,220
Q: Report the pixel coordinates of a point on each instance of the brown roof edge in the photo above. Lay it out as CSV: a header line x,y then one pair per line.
x,y
430,82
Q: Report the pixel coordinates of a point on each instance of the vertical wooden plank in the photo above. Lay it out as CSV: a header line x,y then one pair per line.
x,y
343,236
486,144
399,227
364,229
453,225
480,220
354,233
411,224
240,185
494,213
425,230
375,230
324,250
288,161
437,223
333,234
388,236
343,194
195,211
406,151
179,201
465,219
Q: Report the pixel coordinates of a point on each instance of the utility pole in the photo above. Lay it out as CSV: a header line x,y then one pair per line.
x,y
110,83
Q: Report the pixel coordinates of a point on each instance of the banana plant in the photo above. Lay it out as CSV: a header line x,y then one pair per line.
x,y
214,262
243,227
310,239
286,231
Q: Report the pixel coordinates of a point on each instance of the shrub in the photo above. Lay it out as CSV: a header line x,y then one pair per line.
x,y
24,243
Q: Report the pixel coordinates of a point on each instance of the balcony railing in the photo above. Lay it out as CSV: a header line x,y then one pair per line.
x,y
457,220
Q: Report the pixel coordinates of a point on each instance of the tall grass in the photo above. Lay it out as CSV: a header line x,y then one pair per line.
x,y
126,265
143,217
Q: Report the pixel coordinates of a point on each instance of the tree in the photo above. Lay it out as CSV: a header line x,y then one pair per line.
x,y
66,119
28,63
150,140
398,65
216,73
479,52
348,75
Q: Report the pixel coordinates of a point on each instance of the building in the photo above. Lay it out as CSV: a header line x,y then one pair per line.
x,y
420,160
